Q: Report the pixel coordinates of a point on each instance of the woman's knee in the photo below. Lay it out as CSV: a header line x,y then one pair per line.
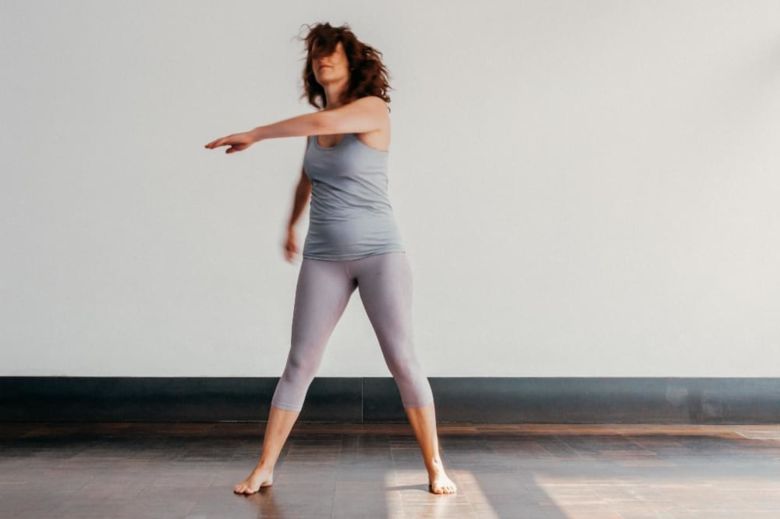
x,y
403,365
300,370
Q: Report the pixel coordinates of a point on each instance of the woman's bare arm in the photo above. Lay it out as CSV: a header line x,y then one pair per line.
x,y
363,115
302,192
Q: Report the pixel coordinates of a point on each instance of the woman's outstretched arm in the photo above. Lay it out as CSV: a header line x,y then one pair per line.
x,y
363,115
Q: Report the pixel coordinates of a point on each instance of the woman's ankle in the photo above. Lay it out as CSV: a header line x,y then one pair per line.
x,y
264,466
435,465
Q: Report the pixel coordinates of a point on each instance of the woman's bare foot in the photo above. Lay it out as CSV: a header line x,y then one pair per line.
x,y
260,477
438,482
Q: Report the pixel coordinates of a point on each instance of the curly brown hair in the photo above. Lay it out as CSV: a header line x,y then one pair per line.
x,y
368,75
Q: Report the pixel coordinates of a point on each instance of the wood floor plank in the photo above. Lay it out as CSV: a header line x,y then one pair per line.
x,y
618,471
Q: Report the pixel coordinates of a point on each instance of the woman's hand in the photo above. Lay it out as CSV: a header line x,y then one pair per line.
x,y
236,141
290,245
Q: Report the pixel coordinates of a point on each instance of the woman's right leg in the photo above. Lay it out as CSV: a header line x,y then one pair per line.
x,y
322,293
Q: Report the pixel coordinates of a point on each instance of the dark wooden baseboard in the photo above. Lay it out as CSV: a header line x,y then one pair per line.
x,y
376,399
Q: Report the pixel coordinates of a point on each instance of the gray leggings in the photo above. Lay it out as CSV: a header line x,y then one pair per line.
x,y
323,291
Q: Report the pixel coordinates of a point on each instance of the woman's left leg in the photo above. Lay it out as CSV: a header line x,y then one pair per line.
x,y
385,286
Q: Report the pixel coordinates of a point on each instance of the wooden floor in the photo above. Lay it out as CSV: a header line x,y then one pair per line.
x,y
535,471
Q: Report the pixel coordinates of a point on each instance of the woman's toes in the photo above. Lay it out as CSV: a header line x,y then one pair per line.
x,y
443,485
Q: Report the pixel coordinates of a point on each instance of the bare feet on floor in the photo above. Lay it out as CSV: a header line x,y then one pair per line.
x,y
438,482
260,477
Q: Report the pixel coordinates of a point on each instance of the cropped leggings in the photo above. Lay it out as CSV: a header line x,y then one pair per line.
x,y
322,293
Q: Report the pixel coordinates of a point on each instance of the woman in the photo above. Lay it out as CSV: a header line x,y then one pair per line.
x,y
352,241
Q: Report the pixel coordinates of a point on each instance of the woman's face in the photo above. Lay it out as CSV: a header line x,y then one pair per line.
x,y
331,68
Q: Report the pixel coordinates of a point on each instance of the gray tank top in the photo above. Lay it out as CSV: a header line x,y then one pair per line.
x,y
350,213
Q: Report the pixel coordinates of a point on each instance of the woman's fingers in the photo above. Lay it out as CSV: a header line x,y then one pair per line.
x,y
237,147
216,142
290,247
236,141
222,141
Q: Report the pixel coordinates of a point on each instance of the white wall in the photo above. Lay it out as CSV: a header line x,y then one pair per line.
x,y
584,188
